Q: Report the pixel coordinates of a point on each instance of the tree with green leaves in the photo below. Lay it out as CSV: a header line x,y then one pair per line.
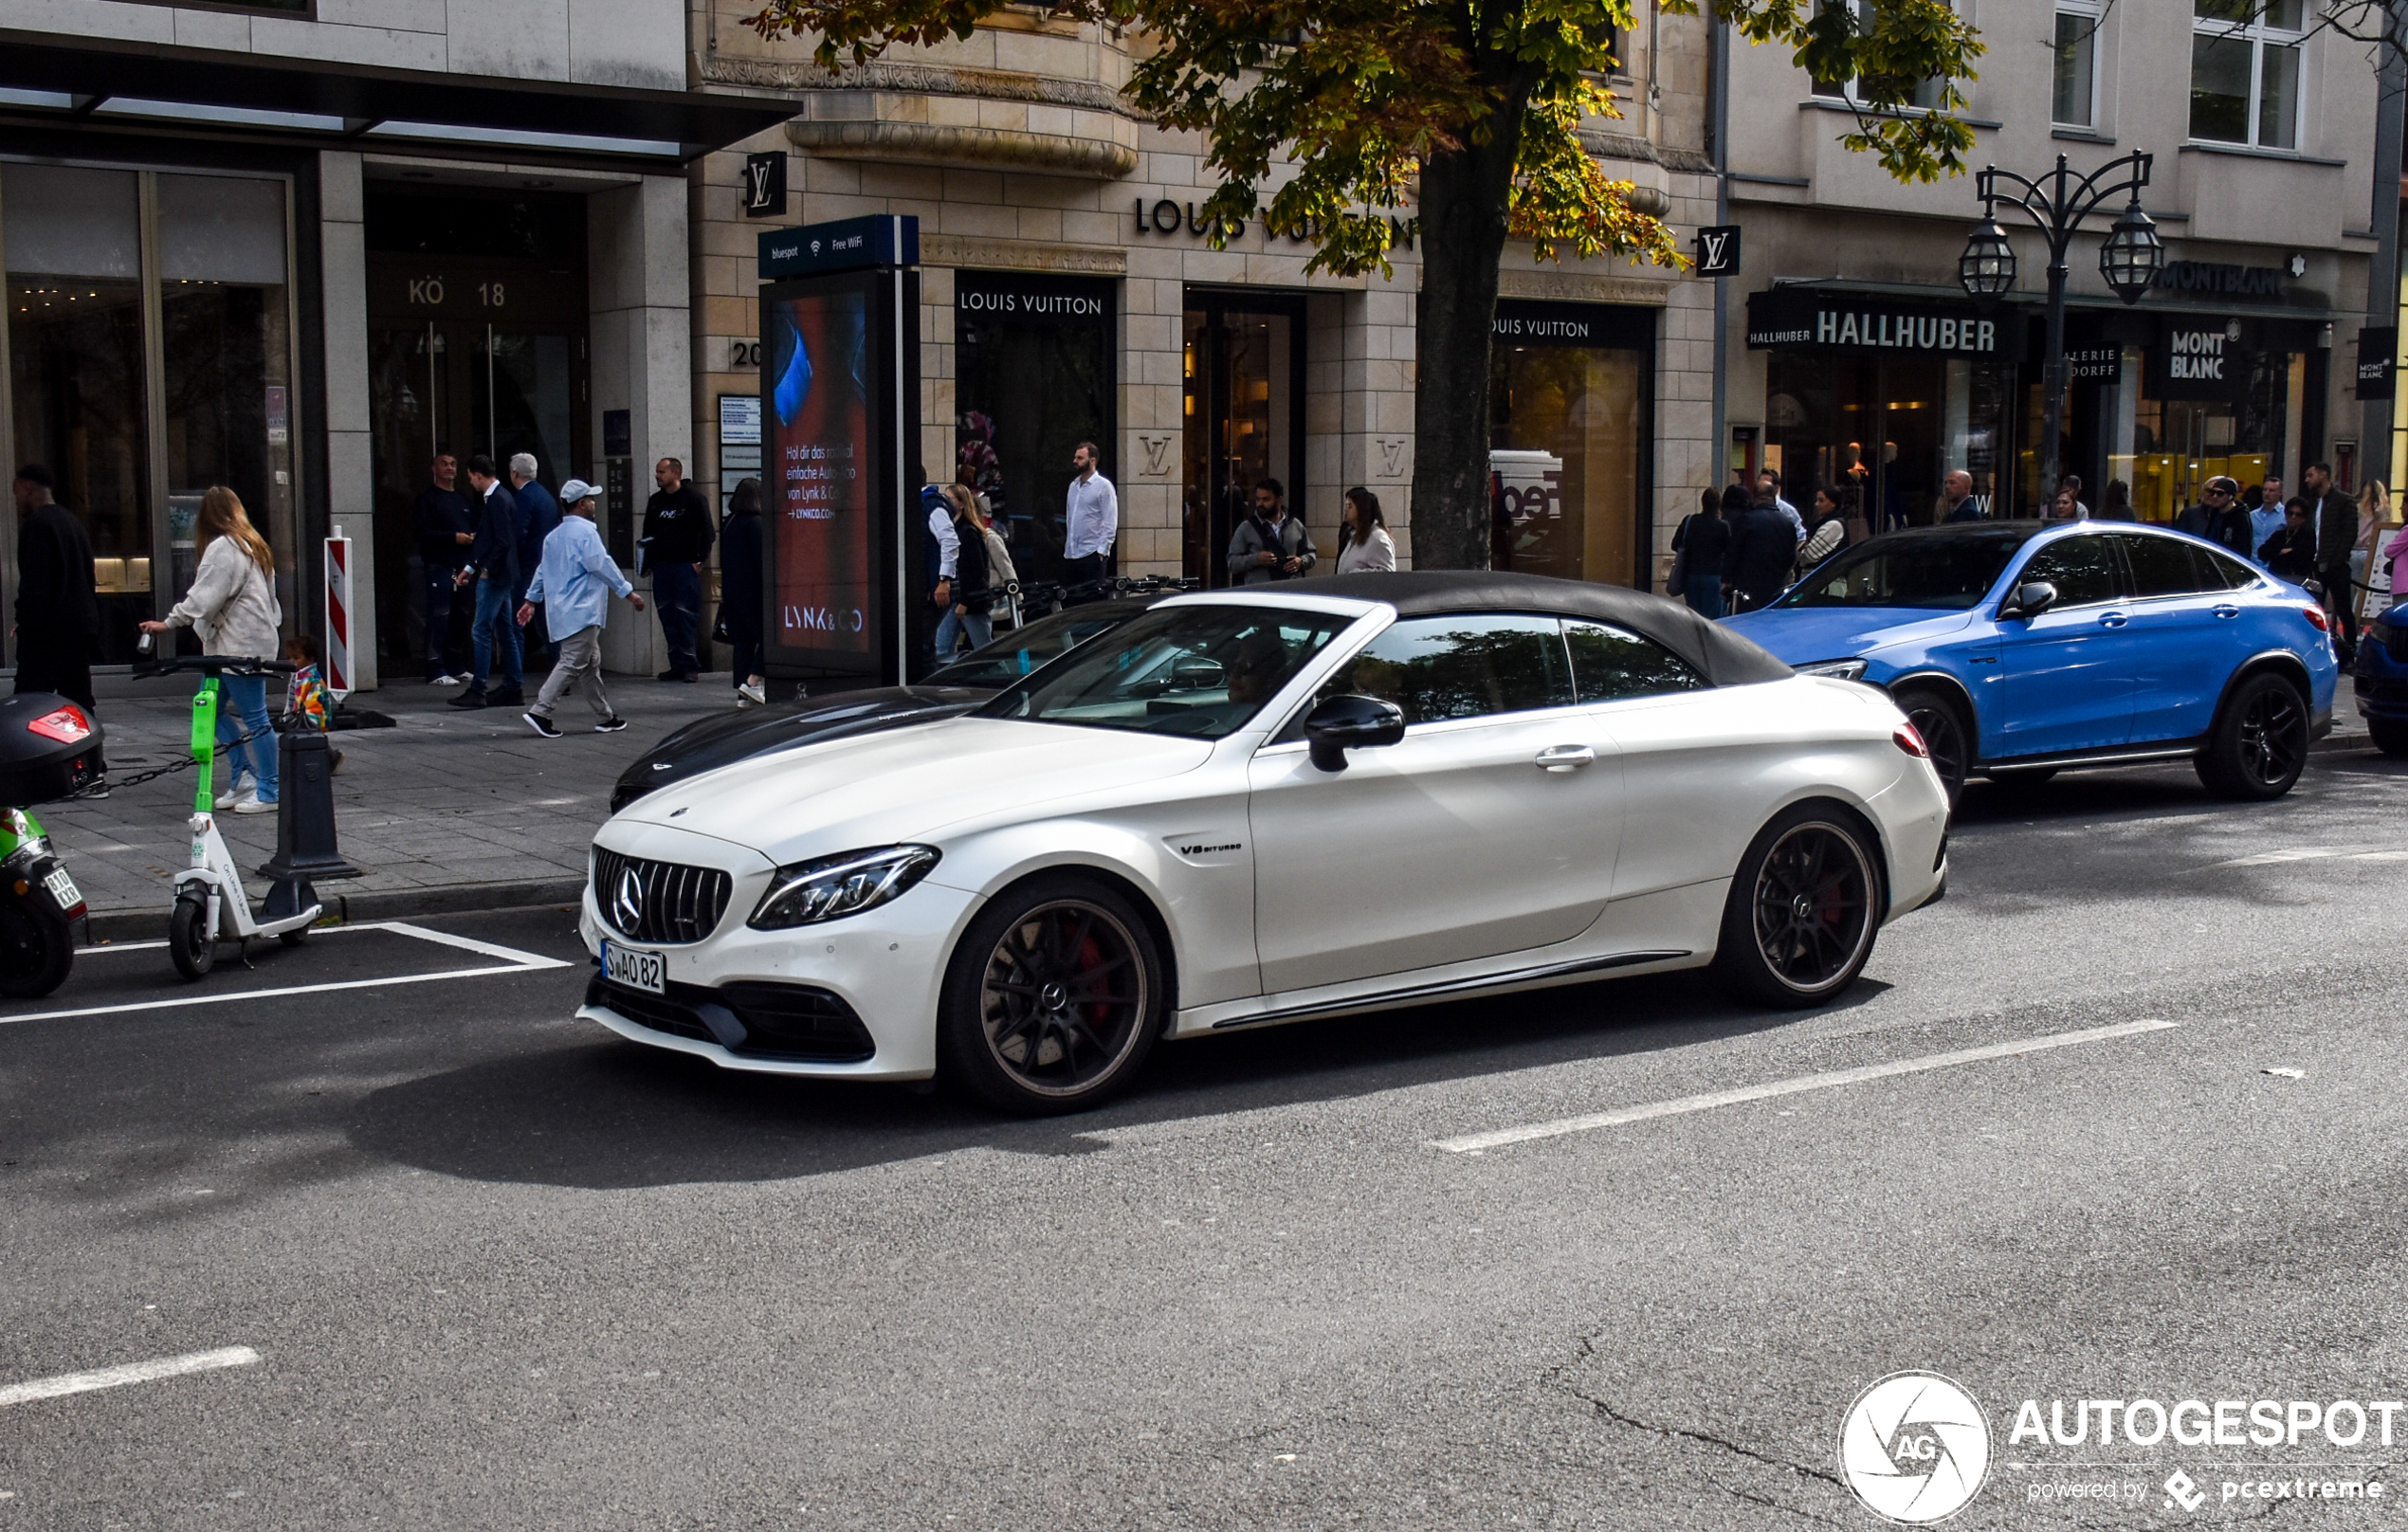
x,y
1465,111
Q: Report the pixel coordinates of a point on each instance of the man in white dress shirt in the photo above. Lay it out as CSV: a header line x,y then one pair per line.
x,y
1090,522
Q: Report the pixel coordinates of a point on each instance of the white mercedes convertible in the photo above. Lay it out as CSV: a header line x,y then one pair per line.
x,y
1253,806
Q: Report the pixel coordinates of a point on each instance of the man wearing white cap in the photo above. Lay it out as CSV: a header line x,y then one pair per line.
x,y
574,583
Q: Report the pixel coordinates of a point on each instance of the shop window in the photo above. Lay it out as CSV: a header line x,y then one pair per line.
x,y
225,331
2245,71
1569,430
1243,365
1883,433
79,396
2073,100
1033,380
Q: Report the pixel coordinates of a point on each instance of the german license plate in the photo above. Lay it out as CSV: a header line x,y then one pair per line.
x,y
63,888
634,969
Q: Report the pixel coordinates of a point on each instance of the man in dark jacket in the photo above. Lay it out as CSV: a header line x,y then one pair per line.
x,y
677,538
2228,524
740,592
2334,516
1763,551
58,614
1270,544
447,527
494,565
539,513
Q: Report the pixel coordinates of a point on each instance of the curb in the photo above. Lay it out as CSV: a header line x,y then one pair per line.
x,y
2334,742
383,905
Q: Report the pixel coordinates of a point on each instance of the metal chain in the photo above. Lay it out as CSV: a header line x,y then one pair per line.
x,y
112,784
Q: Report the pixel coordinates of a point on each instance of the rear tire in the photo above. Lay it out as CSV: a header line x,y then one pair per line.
x,y
2389,734
1804,906
1946,734
2259,744
294,939
37,946
1053,998
190,940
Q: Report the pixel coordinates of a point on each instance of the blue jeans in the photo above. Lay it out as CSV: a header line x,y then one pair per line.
x,y
1704,595
242,708
678,587
497,613
977,626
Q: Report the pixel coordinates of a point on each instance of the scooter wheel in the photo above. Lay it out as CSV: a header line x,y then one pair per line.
x,y
190,940
293,938
36,947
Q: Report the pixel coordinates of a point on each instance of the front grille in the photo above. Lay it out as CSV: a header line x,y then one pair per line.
x,y
674,902
781,1021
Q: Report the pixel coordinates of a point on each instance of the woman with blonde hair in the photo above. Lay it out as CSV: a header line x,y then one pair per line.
x,y
232,606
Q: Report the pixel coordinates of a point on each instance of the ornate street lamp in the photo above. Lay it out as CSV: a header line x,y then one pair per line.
x,y
2056,204
2133,255
1987,268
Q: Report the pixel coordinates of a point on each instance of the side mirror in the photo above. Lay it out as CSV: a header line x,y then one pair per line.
x,y
1338,724
2031,598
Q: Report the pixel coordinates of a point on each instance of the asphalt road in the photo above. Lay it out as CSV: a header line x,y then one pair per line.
x,y
502,1270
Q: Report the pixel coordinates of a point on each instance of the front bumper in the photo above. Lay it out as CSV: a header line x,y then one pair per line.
x,y
874,978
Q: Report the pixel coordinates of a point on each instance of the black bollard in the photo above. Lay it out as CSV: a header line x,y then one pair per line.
x,y
305,811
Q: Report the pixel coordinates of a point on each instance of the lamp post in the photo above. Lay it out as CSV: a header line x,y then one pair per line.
x,y
2129,258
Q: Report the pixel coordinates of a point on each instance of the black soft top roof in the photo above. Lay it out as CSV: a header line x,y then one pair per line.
x,y
1721,655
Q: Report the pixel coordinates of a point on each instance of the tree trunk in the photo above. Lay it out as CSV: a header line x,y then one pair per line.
x,y
1464,211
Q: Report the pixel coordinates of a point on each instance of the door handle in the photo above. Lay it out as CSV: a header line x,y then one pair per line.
x,y
2114,619
2227,611
1564,757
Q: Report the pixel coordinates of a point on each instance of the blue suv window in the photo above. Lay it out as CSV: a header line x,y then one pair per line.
x,y
1937,570
2082,569
2161,566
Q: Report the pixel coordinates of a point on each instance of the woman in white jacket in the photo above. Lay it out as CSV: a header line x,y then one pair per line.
x,y
1363,542
232,606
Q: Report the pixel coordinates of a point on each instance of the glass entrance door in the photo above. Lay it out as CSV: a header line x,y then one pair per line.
x,y
1244,372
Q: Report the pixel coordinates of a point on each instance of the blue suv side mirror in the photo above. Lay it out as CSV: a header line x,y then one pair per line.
x,y
2030,599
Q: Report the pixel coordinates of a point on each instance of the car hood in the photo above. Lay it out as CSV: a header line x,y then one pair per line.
x,y
1802,635
908,784
712,742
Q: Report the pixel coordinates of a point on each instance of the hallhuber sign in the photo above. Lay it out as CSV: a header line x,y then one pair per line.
x,y
1804,319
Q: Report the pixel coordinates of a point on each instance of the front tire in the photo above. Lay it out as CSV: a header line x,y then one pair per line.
x,y
2259,744
190,940
2389,734
1053,998
1804,906
37,946
1946,734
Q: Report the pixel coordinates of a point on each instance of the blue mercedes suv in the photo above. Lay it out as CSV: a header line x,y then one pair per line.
x,y
2019,649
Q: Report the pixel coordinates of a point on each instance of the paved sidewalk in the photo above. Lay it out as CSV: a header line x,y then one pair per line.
x,y
452,810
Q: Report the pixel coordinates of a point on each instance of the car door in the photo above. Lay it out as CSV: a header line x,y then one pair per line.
x,y
2185,631
2069,670
1490,828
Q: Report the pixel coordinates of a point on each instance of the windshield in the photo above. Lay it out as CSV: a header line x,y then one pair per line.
x,y
1014,654
1199,671
1949,572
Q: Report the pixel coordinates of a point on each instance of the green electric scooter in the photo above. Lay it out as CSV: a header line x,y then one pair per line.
x,y
211,904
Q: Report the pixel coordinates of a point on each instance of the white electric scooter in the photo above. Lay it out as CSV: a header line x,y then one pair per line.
x,y
210,904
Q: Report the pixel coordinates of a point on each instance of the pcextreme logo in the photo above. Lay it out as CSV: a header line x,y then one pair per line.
x,y
1914,1447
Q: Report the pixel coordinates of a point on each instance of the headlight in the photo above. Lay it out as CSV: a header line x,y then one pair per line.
x,y
1836,669
834,886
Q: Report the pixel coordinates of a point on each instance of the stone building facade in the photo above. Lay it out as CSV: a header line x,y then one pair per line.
x,y
1069,290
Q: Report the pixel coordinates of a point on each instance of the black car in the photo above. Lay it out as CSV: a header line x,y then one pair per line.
x,y
709,743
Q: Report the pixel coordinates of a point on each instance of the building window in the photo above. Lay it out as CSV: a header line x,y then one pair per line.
x,y
1926,94
2074,101
2245,71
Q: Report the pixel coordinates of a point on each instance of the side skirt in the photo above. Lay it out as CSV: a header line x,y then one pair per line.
x,y
1453,988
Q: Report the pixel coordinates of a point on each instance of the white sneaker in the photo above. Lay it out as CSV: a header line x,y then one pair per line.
x,y
751,694
249,804
241,787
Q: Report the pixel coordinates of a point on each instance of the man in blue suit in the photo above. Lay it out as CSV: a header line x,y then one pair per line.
x,y
539,513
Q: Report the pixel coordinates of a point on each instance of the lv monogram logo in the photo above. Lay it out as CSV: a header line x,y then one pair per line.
x,y
1391,456
1158,454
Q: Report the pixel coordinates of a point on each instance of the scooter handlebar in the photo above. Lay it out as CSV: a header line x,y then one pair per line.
x,y
218,664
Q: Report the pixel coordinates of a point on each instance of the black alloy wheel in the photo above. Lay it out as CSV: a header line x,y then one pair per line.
x,y
1054,1000
1945,735
1802,912
2259,745
36,946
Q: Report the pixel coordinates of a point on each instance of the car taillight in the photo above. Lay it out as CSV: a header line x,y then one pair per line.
x,y
1908,740
68,725
2316,615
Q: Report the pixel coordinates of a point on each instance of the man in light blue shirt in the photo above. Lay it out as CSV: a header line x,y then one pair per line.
x,y
2265,517
574,583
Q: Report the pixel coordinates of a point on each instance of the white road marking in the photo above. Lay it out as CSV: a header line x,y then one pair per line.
x,y
516,961
104,949
1498,1138
133,1371
2313,853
